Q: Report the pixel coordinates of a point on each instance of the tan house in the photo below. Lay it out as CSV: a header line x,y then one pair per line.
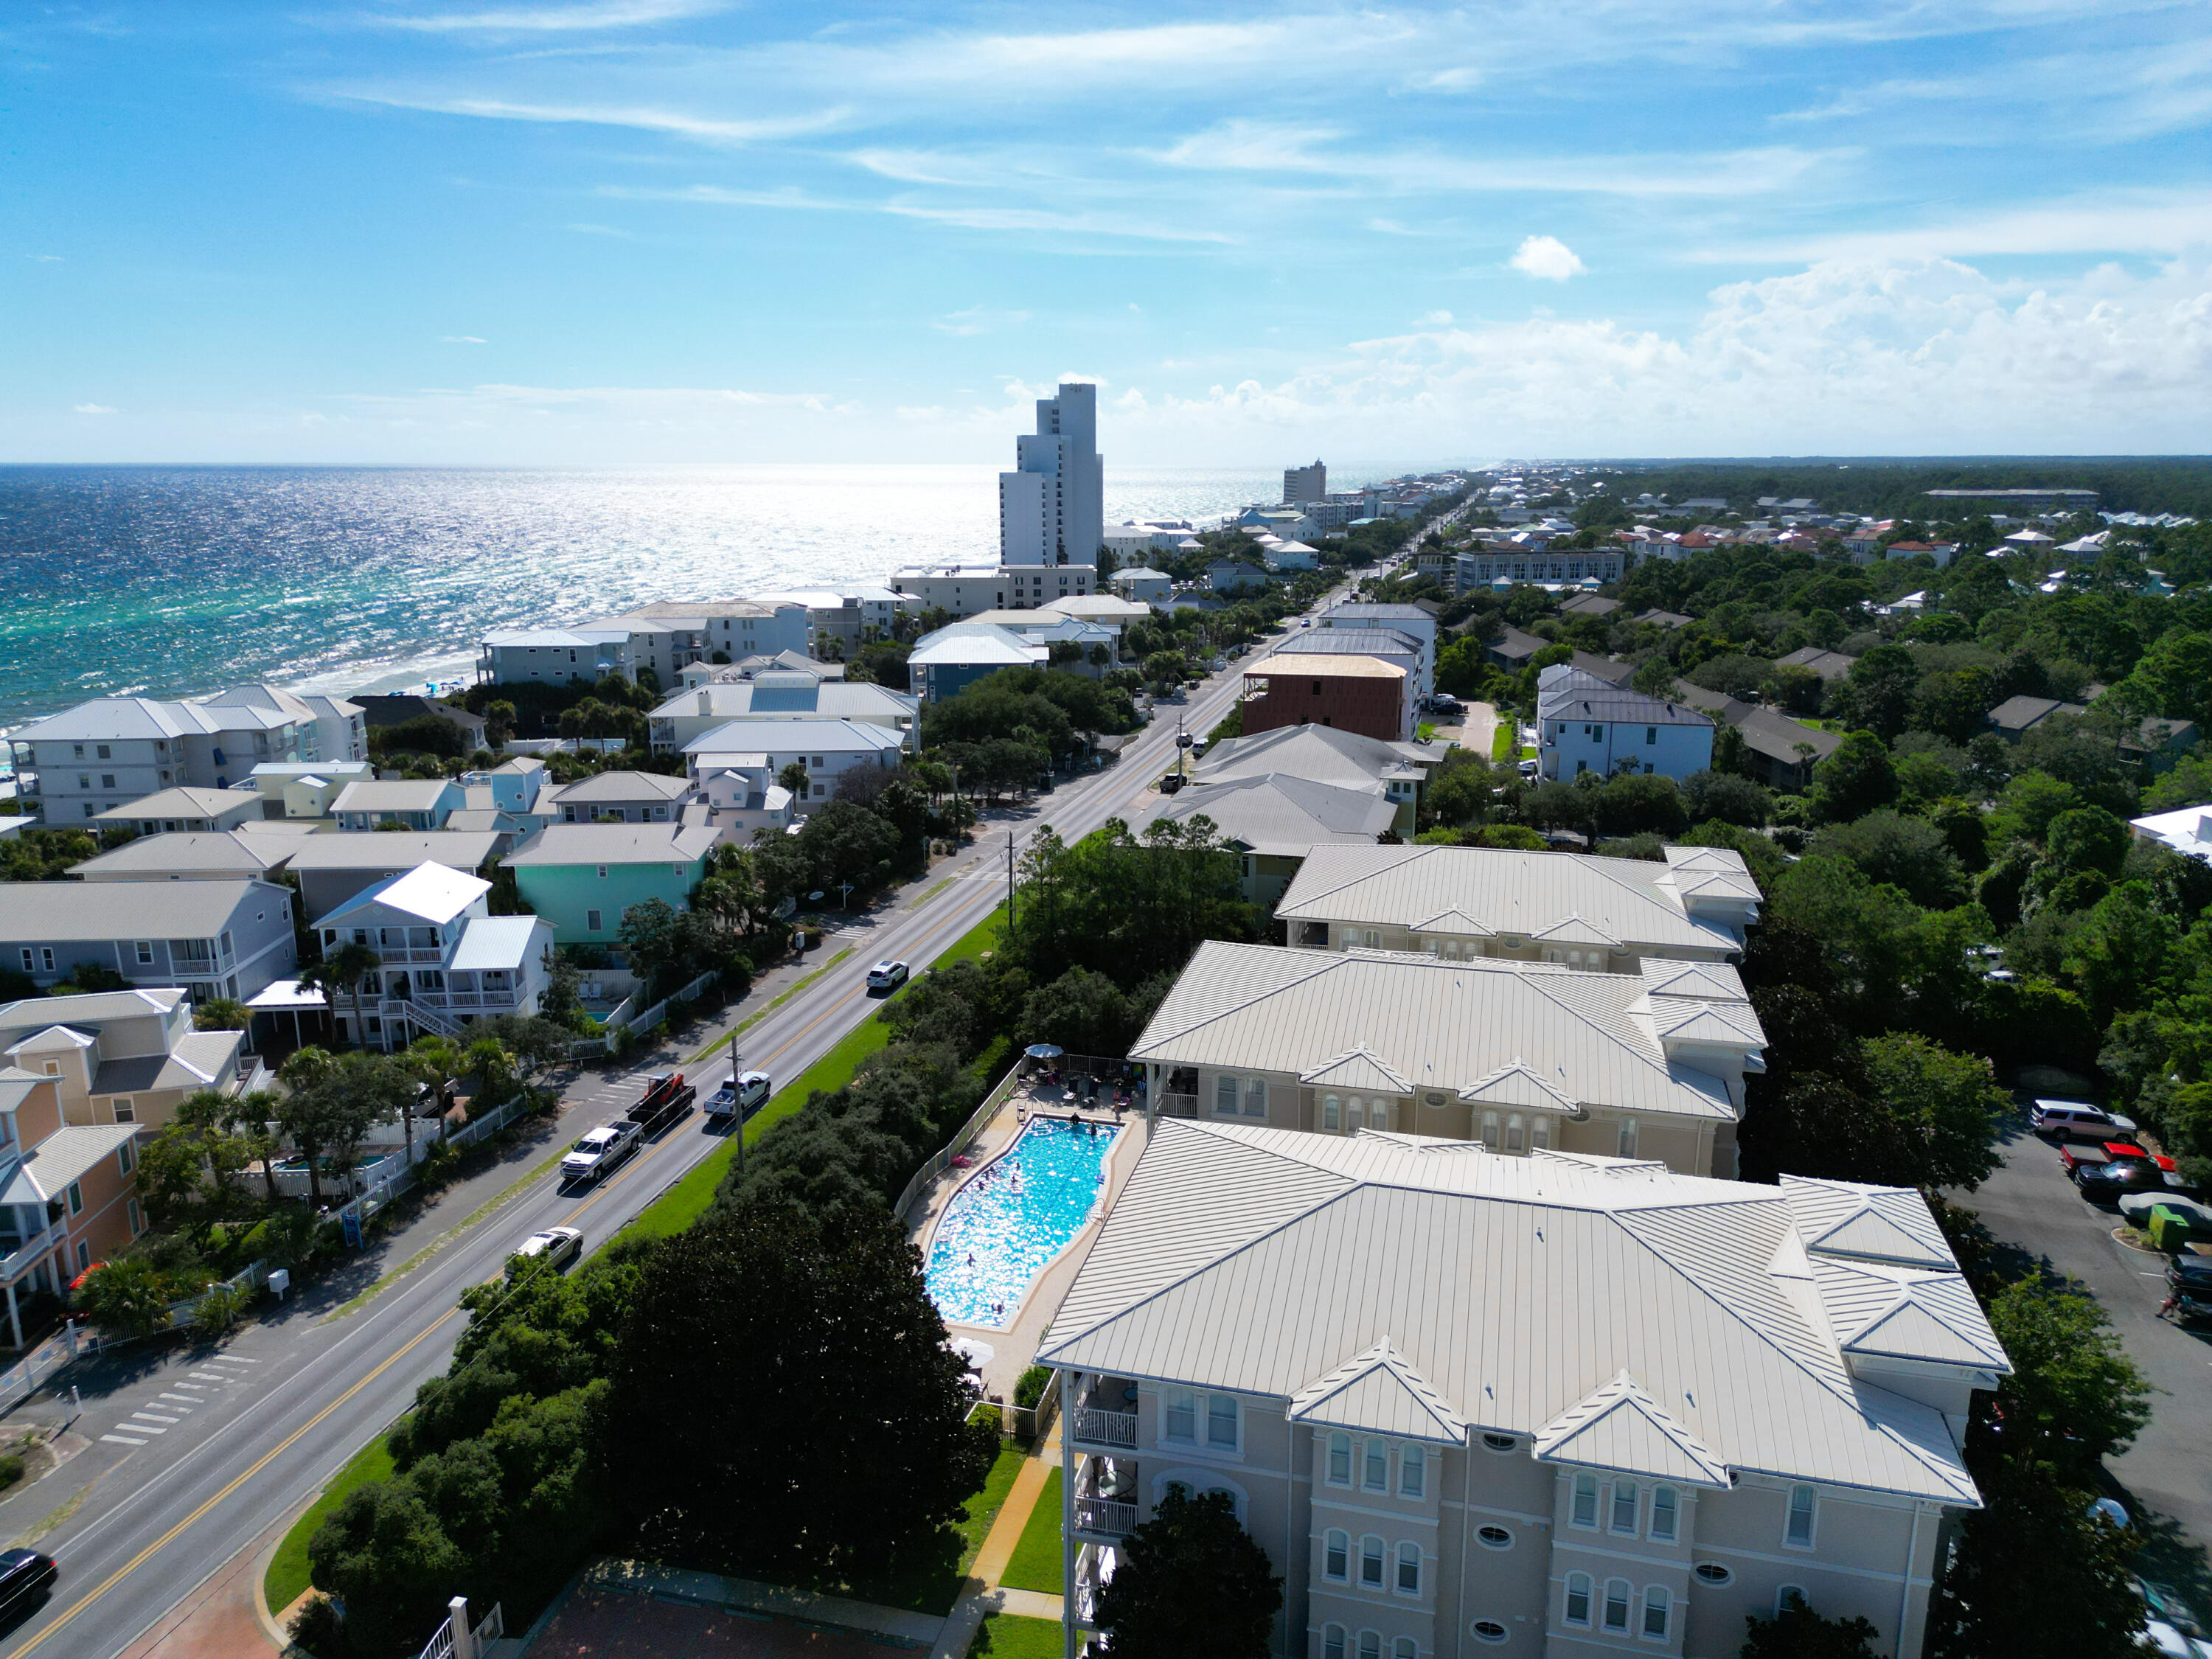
x,y
66,1194
1522,1056
123,1057
1555,1404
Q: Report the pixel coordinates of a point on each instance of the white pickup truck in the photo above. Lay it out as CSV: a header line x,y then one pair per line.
x,y
599,1151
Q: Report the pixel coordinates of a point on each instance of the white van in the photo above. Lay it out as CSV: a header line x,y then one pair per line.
x,y
2074,1120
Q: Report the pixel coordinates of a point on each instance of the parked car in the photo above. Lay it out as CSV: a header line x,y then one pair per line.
x,y
600,1150
742,1098
25,1575
2136,1207
1170,783
2074,1120
888,975
555,1248
2106,1181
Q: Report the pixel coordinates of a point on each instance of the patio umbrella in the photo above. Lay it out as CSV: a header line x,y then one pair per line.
x,y
977,1354
1044,1051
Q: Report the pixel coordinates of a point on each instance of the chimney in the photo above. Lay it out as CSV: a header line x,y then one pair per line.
x,y
706,700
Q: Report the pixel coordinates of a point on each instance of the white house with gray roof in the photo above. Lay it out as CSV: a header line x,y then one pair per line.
x,y
230,855
212,939
1588,725
1557,1404
184,808
1520,1057
783,697
620,797
1605,914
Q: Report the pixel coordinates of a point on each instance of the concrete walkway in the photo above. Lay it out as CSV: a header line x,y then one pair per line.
x,y
982,1593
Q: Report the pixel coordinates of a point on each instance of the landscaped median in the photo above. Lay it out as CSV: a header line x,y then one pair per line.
x,y
286,1580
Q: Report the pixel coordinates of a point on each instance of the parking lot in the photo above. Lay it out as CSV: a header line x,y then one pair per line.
x,y
2167,1473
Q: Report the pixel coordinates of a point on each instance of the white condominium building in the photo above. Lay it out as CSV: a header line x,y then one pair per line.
x,y
1051,507
1554,1404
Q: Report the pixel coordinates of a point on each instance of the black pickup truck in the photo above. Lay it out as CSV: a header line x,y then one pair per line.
x,y
667,1097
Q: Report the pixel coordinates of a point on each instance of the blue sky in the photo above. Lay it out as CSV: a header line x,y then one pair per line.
x,y
627,230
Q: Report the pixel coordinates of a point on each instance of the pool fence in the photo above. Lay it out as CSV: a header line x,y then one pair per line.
x,y
1025,1070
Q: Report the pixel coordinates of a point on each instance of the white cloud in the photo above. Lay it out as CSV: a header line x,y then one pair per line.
x,y
1433,320
91,408
977,320
2115,221
529,20
1546,259
641,116
45,258
462,339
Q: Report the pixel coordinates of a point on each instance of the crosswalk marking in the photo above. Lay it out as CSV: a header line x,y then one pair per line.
x,y
181,1402
209,1377
121,1440
236,1359
154,1417
143,1428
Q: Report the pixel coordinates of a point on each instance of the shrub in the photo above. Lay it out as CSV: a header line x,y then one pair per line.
x,y
218,1311
1030,1388
317,1629
11,1470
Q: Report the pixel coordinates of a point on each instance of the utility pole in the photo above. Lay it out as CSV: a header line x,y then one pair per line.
x,y
738,1101
1010,879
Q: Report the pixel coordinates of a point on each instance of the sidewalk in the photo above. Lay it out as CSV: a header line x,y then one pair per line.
x,y
982,1593
221,1620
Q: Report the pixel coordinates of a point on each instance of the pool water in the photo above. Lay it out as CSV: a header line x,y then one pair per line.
x,y
1009,1220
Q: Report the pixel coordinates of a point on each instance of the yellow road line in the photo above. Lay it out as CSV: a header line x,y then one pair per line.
x,y
267,1458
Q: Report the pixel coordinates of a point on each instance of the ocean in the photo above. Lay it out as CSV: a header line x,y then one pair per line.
x,y
172,581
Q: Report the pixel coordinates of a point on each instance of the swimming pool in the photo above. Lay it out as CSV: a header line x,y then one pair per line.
x,y
1013,1216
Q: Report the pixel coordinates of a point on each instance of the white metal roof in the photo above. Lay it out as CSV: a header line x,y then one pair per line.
x,y
1619,1315
602,787
187,852
1479,891
63,1157
1461,1027
1281,815
1321,754
769,736
393,849
497,942
186,801
436,892
127,909
615,843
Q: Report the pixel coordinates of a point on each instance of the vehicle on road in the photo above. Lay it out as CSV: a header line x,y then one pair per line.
x,y
741,1098
1198,748
600,1150
667,1097
888,975
2076,1120
555,1248
25,1575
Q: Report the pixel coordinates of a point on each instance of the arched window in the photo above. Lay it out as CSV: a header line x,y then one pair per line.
x,y
1371,1561
1583,1513
1340,1459
1517,1133
1616,1604
1332,1642
1332,1112
1804,1510
1414,1472
1375,1466
1490,1130
1336,1555
1404,1648
1784,1595
1658,1608
1578,1610
1664,1504
1540,1133
1500,1442
1624,1508
1628,1137
1370,1644
1409,1568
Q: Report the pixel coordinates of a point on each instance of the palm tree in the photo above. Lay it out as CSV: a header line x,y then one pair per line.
x,y
256,1112
305,1070
345,968
433,1061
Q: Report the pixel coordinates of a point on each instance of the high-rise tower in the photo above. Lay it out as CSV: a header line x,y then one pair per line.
x,y
1052,509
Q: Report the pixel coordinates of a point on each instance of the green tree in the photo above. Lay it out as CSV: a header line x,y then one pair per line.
x,y
222,1014
383,1553
1192,1584
126,1296
1853,781
793,777
348,969
1796,1632
1640,803
1949,1103
185,1169
2087,838
1724,796
1907,852
763,1303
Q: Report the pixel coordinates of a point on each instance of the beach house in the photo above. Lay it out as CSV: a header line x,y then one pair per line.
x,y
780,697
621,798
410,803
824,749
331,869
443,960
1589,724
1554,1404
1520,1057
184,808
67,1193
122,1056
213,939
584,878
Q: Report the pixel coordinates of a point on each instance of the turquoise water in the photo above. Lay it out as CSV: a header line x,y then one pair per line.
x,y
174,581
1003,1227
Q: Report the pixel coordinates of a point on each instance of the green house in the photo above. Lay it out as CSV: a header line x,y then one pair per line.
x,y
583,877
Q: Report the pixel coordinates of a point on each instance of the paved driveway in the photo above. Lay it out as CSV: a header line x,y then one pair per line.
x,y
2167,1473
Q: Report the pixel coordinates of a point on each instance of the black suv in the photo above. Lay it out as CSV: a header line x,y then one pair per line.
x,y
25,1578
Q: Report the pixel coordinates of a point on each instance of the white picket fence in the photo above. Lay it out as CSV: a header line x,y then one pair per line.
x,y
24,1378
645,1019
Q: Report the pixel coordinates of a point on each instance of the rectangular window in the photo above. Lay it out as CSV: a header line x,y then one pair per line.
x,y
84,1254
27,959
1225,1096
1616,1604
1624,1508
1628,1137
1255,1096
592,921
1336,1557
1584,1511
145,950
1371,1561
130,1209
1662,1515
1375,1473
1221,1421
1656,1604
47,957
1332,1642
1409,1569
124,1159
1414,1472
1340,1459
1181,1421
126,1112
603,873
1579,1598
1804,1507
1651,734
77,1198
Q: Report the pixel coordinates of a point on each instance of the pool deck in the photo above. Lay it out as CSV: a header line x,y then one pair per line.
x,y
1013,1348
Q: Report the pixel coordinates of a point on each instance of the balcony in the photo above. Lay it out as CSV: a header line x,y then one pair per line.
x,y
1104,1506
1105,1517
1178,1105
1095,1427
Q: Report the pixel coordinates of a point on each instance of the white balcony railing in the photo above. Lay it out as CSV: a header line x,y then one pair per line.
x,y
1105,1428
1105,1517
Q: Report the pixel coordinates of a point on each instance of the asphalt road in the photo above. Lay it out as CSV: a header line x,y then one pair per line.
x,y
2166,1473
234,1444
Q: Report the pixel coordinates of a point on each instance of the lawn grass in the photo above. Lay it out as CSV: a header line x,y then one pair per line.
x,y
1035,1563
1506,738
287,1579
983,1507
933,1586
1010,1635
983,937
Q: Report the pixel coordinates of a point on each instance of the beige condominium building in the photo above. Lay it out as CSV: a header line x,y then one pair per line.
x,y
1602,913
1523,1057
1553,1405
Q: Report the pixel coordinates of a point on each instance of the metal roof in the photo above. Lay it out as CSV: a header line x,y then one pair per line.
x,y
189,851
1569,694
1619,1315
1320,754
89,1007
1591,1039
496,942
1279,817
615,843
127,909
393,849
186,801
767,736
434,892
63,1157
784,694
620,786
394,795
1353,666
1487,890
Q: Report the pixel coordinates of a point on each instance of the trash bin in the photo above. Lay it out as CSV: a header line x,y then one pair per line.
x,y
2169,1229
